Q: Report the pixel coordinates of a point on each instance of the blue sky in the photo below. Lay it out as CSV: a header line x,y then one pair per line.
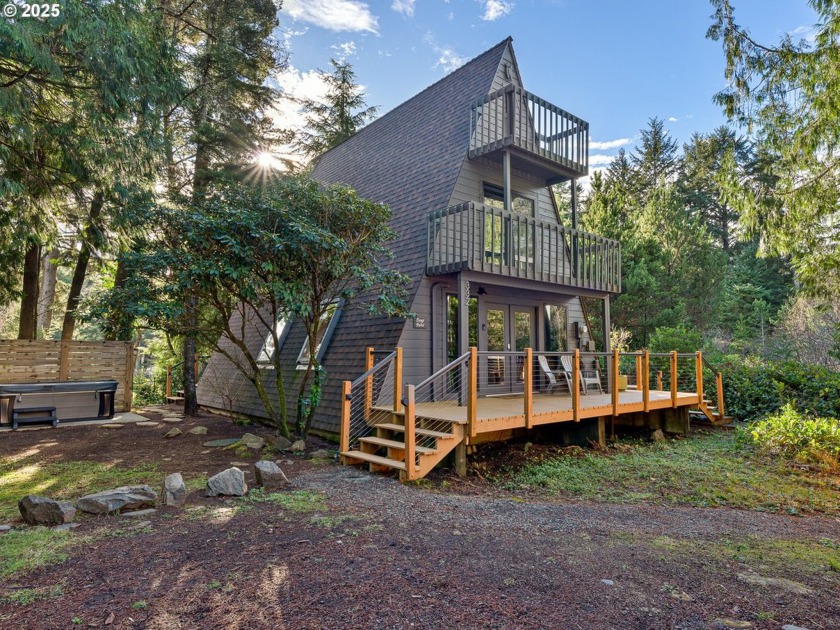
x,y
615,63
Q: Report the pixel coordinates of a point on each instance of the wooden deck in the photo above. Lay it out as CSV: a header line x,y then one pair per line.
x,y
495,413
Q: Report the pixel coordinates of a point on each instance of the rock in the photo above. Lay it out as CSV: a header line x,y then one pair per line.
x,y
278,442
298,447
37,510
321,453
173,433
141,525
782,583
219,443
230,482
608,582
240,464
269,475
657,436
174,490
112,425
788,626
66,527
198,431
139,513
252,441
149,424
735,624
5,528
128,497
172,419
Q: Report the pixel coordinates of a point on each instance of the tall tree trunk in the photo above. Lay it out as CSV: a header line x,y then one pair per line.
x,y
120,323
80,271
190,397
46,297
27,328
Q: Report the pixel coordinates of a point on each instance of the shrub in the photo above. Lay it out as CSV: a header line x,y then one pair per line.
x,y
795,436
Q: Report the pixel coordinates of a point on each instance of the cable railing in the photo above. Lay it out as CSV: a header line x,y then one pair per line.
x,y
372,398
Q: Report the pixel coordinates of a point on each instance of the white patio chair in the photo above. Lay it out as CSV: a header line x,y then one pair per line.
x,y
551,375
587,377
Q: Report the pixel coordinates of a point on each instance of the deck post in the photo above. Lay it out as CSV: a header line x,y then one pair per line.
x,y
576,386
719,382
639,375
646,382
528,378
659,381
368,382
472,392
614,385
344,430
698,368
410,470
674,379
398,366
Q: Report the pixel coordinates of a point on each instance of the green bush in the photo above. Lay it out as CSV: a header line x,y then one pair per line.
x,y
752,391
793,435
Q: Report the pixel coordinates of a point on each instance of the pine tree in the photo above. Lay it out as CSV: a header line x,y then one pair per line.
x,y
656,162
342,114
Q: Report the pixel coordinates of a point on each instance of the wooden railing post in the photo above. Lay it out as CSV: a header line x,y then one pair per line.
x,y
576,386
472,392
408,433
398,367
528,382
719,379
646,381
368,383
344,430
614,391
659,380
698,367
674,379
639,374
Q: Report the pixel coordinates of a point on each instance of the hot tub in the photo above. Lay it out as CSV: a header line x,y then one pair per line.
x,y
69,400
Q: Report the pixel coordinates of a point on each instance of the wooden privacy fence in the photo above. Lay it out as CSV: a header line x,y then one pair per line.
x,y
45,361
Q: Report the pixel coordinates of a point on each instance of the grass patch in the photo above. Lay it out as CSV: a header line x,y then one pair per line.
x,y
63,480
28,549
707,469
296,501
26,596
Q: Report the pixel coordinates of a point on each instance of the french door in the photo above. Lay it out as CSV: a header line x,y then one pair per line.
x,y
504,328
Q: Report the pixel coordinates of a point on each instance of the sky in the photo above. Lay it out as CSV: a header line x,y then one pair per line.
x,y
614,63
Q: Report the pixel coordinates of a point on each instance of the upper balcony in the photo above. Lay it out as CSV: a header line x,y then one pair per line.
x,y
541,137
477,237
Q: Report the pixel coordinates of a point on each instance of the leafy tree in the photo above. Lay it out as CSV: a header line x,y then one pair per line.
x,y
785,97
254,256
342,114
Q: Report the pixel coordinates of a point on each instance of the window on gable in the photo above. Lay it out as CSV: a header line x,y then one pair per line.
x,y
326,325
266,355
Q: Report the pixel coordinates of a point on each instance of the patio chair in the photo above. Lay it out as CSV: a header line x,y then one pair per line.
x,y
587,377
551,375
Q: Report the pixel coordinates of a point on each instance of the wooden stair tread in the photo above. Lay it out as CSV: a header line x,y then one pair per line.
x,y
417,431
375,459
394,444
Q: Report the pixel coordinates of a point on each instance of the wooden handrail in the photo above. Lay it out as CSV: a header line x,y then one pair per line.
x,y
398,377
368,382
674,379
472,392
408,434
699,375
528,383
646,381
615,382
344,428
576,386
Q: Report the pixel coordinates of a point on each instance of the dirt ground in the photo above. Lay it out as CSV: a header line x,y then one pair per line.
x,y
374,553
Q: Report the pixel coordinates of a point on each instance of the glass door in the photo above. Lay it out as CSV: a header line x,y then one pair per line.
x,y
505,328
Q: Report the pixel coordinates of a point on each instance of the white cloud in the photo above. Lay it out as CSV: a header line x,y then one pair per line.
x,y
347,49
808,33
672,119
333,15
448,59
609,144
406,7
450,16
494,9
601,160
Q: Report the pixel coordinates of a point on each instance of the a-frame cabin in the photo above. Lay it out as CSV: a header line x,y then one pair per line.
x,y
500,340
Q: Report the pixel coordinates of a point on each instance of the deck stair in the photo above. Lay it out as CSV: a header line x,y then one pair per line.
x,y
709,411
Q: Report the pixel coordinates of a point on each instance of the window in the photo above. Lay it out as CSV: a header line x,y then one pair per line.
x,y
555,328
495,196
266,355
509,241
329,320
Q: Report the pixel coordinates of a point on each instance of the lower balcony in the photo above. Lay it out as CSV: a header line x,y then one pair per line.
x,y
476,237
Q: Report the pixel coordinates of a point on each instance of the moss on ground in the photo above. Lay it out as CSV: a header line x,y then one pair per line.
x,y
707,469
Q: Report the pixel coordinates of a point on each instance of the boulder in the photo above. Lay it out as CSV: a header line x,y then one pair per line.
x,y
321,453
174,490
149,424
173,433
278,442
220,443
37,510
657,436
252,441
269,475
298,447
230,482
198,431
126,497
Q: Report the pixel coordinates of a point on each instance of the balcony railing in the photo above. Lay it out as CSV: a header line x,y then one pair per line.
x,y
482,238
514,117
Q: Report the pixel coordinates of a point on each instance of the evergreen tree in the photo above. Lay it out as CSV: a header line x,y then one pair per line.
x,y
656,161
342,114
